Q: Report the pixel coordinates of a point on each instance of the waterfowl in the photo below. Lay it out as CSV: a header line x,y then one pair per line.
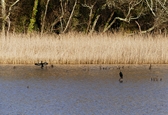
x,y
52,66
121,77
41,64
156,79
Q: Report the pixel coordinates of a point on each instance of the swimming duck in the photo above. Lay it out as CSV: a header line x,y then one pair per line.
x,y
121,77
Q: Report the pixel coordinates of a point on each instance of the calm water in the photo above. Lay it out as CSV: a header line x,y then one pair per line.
x,y
83,90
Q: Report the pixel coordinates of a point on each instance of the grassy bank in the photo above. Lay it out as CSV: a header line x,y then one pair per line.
x,y
76,48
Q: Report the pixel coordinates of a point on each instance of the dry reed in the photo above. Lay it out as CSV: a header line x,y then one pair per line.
x,y
77,48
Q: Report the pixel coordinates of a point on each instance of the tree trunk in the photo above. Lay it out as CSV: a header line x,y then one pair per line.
x,y
94,24
7,17
70,17
3,16
90,15
33,18
62,15
44,17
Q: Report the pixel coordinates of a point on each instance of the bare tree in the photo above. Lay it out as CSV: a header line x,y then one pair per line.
x,y
131,5
151,6
6,16
64,16
70,17
44,17
94,24
95,9
90,14
3,16
160,14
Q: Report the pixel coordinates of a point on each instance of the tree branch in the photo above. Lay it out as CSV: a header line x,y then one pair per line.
x,y
70,17
148,30
44,17
10,8
150,7
94,24
62,15
128,16
162,5
90,14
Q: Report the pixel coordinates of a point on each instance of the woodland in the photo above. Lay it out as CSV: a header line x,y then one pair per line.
x,y
86,16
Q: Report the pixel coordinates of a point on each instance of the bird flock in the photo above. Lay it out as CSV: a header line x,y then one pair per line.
x,y
121,75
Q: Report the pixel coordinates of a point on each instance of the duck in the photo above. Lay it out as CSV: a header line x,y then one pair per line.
x,y
121,77
42,64
52,66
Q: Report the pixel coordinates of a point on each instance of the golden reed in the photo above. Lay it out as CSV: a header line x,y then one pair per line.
x,y
78,48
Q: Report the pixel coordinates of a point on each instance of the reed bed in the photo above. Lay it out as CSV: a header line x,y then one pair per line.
x,y
77,48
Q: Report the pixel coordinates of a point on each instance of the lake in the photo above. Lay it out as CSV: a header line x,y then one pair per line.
x,y
83,90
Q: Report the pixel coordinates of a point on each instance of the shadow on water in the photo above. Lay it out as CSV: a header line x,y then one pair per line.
x,y
83,89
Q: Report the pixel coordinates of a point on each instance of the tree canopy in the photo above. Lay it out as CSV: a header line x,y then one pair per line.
x,y
60,16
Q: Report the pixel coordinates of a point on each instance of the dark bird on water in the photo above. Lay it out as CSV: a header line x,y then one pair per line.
x,y
52,66
121,77
42,64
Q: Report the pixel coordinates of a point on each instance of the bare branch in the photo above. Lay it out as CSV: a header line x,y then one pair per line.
x,y
151,7
90,14
108,21
62,15
53,24
10,8
162,5
44,17
3,17
70,16
128,17
94,24
138,26
134,18
148,30
6,17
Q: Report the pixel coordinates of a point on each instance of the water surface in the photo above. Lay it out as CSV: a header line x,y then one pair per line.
x,y
83,90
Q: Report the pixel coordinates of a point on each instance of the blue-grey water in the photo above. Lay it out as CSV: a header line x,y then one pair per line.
x,y
83,90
